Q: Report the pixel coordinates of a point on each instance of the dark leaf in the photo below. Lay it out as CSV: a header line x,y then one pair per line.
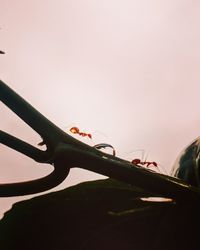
x,y
97,215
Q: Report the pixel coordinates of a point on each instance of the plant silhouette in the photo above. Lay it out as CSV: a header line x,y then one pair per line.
x,y
100,215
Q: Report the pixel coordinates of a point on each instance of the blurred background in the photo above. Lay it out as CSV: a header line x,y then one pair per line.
x,y
125,71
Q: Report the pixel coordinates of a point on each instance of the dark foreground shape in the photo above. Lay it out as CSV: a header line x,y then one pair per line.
x,y
187,165
100,215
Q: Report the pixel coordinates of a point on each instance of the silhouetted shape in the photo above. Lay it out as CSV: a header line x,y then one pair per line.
x,y
1,52
65,152
187,165
96,215
100,215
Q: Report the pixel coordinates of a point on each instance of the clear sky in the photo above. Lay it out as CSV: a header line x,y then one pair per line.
x,y
125,71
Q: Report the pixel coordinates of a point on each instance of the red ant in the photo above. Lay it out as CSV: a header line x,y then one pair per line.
x,y
76,130
138,162
73,130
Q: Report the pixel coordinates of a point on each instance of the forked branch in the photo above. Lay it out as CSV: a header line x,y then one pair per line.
x,y
65,152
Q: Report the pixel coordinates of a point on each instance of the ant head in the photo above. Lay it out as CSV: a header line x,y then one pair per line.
x,y
74,130
136,161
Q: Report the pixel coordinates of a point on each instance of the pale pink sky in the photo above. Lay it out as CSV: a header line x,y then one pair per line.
x,y
127,69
